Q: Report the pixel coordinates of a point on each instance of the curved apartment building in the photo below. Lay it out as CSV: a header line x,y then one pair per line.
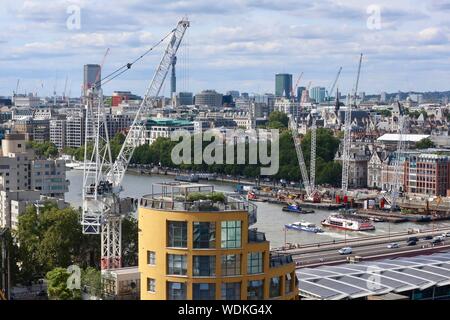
x,y
196,244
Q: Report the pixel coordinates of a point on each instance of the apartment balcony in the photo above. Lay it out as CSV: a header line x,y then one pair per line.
x,y
280,259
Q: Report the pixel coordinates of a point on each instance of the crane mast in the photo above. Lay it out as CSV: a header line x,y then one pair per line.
x,y
334,84
347,133
312,165
301,159
102,183
136,130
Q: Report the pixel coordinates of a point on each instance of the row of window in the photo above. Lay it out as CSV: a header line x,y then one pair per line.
x,y
205,266
229,290
204,234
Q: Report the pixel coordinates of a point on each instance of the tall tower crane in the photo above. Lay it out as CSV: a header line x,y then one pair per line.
x,y
347,133
301,159
102,207
333,84
312,164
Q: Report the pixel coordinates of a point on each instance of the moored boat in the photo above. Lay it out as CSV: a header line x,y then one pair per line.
x,y
295,208
348,222
303,226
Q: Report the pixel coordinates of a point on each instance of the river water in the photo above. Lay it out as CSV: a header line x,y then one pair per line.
x,y
271,219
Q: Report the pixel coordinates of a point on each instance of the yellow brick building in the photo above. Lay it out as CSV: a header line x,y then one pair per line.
x,y
196,244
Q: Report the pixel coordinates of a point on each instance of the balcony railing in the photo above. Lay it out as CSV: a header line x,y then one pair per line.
x,y
256,236
174,197
279,259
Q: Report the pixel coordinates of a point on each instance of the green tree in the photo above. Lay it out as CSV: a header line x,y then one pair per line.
x,y
130,241
91,279
57,286
51,239
278,120
425,144
46,149
385,113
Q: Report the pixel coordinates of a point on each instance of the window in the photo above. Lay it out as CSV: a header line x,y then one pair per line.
x,y
177,234
255,290
203,291
204,235
176,264
231,291
275,288
204,266
254,262
287,283
176,291
151,258
231,265
151,285
231,234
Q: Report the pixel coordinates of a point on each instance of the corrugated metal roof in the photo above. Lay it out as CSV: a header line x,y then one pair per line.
x,y
350,281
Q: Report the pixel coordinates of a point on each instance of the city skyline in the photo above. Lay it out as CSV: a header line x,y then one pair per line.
x,y
240,45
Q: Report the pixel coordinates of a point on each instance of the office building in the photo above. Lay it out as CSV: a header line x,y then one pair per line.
x,y
24,179
184,99
209,98
300,93
162,128
234,93
287,106
283,85
92,74
318,94
204,250
58,133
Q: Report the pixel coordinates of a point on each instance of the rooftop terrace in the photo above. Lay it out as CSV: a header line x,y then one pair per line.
x,y
195,197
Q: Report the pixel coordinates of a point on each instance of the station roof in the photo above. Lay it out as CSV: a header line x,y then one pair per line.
x,y
351,281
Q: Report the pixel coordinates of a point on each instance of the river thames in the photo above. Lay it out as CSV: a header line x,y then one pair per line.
x,y
271,219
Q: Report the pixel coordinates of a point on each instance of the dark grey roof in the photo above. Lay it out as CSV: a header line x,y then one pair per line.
x,y
350,281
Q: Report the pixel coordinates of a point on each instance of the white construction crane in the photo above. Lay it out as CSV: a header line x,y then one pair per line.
x,y
301,159
312,164
334,84
347,133
102,207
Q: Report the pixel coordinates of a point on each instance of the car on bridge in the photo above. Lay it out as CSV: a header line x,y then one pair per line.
x,y
446,234
393,245
411,243
415,239
437,239
428,237
345,250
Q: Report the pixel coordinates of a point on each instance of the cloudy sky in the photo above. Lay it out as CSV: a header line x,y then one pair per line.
x,y
233,44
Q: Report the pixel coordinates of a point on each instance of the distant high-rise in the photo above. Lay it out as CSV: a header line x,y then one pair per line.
x,y
318,94
299,93
383,97
92,74
234,93
283,85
